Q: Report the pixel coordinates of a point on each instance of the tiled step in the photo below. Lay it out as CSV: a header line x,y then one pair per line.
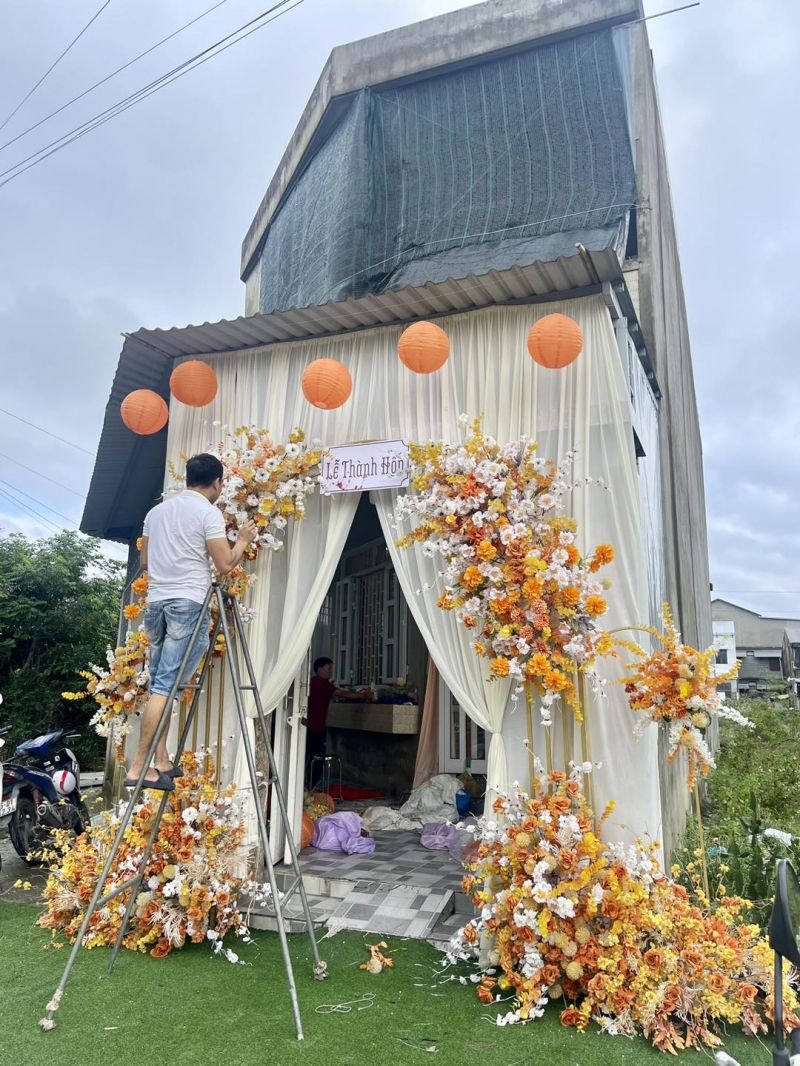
x,y
321,907
445,928
394,910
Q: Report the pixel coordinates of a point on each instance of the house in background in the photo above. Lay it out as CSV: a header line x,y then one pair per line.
x,y
725,647
768,647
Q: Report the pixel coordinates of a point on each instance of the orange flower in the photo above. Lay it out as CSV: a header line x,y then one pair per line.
x,y
471,578
672,999
570,596
603,555
139,586
486,551
747,992
499,667
571,1018
567,859
654,958
485,995
717,983
596,605
133,610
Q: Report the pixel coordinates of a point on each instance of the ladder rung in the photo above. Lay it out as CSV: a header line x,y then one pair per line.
x,y
116,892
247,688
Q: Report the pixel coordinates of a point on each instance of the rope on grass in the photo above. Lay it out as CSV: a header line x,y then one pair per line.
x,y
366,1001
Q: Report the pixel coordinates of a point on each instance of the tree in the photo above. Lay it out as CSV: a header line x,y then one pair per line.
x,y
59,611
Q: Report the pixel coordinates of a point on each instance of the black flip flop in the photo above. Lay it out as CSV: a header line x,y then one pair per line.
x,y
162,783
174,772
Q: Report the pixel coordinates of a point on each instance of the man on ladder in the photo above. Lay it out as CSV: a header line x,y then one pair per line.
x,y
179,536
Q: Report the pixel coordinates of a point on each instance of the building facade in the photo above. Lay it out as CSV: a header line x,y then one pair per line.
x,y
480,169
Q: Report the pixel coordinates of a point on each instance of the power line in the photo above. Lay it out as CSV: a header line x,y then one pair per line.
x,y
113,74
40,502
30,510
38,473
41,429
53,66
141,94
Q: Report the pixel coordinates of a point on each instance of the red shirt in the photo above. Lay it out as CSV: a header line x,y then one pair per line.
x,y
319,697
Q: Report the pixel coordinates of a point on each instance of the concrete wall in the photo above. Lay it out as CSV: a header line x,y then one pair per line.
x,y
662,314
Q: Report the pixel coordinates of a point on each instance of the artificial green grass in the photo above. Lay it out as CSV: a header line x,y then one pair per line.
x,y
194,1009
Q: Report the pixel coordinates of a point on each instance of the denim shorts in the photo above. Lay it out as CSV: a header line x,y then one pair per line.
x,y
169,625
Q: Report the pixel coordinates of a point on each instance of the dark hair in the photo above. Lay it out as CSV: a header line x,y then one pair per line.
x,y
322,661
202,471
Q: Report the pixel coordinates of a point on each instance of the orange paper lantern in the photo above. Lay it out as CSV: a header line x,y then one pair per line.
x,y
555,341
424,347
193,383
143,411
327,383
307,831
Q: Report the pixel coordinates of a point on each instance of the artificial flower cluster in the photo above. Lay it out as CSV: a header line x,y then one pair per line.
x,y
265,482
513,573
121,688
189,891
566,916
678,685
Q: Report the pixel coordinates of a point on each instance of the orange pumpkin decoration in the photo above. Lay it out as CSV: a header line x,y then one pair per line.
x,y
193,383
144,411
424,347
307,831
327,384
555,341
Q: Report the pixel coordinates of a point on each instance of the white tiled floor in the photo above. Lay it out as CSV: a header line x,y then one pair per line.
x,y
402,889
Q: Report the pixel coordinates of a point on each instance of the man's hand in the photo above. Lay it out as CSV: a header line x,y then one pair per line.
x,y
248,532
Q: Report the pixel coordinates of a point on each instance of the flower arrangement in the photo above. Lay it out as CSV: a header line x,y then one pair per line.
x,y
121,688
676,684
189,891
513,573
265,482
597,925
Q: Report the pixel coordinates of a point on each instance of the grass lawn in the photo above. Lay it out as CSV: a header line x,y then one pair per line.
x,y
191,1008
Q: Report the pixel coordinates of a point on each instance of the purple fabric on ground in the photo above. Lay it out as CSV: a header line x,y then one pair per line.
x,y
341,832
438,837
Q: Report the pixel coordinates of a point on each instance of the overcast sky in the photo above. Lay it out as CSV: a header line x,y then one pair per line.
x,y
140,223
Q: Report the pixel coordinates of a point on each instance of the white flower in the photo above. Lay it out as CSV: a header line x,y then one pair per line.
x,y
189,815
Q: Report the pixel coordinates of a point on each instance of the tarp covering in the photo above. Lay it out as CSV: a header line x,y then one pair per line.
x,y
506,162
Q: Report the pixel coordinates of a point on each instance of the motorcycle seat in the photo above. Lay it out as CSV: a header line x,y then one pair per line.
x,y
39,744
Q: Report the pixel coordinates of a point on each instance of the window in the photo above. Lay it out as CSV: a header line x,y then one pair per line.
x,y
722,657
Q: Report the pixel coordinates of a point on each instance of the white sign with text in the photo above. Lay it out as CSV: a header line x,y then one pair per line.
x,y
381,464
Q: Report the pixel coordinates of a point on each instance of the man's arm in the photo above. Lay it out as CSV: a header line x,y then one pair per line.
x,y
365,695
225,557
143,554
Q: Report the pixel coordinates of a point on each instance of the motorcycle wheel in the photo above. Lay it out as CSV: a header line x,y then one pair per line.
x,y
23,830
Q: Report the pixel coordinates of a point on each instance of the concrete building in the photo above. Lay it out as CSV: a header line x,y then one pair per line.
x,y
765,645
509,155
725,645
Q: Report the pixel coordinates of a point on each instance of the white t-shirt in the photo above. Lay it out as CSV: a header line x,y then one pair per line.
x,y
178,563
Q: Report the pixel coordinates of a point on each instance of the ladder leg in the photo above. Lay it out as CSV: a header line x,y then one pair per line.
x,y
47,1022
320,968
262,827
162,807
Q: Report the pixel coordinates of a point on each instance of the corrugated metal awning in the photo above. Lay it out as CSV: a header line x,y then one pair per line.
x,y
129,470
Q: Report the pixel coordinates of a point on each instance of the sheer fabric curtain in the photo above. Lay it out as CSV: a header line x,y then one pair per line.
x,y
489,372
427,763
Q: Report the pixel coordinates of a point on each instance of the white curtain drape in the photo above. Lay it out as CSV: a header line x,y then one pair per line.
x,y
585,406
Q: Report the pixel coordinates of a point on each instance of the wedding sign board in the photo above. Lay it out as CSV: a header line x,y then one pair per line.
x,y
362,467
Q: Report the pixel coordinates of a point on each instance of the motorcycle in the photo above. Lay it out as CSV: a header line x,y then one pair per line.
x,y
41,793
